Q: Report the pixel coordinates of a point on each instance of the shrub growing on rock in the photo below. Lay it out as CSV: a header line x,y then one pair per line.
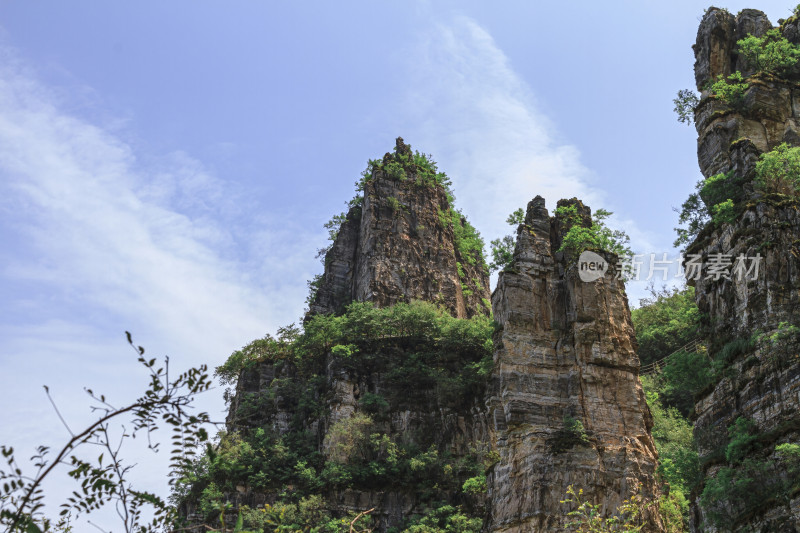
x,y
778,171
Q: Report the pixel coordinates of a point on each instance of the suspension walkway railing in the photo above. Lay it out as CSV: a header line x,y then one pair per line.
x,y
651,368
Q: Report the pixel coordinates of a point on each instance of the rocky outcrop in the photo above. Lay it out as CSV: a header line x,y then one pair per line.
x,y
751,308
566,403
399,245
400,242
415,414
760,286
731,137
750,322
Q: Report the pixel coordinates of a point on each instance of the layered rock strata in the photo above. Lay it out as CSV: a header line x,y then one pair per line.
x,y
566,403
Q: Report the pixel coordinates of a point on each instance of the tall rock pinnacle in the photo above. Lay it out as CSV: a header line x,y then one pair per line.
x,y
402,244
565,399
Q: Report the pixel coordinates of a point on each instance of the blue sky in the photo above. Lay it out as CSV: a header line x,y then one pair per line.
x,y
166,167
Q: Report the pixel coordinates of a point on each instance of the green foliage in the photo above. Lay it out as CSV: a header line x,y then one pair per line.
x,y
683,377
415,342
265,349
402,165
444,519
673,509
742,436
736,491
747,482
395,170
516,218
772,53
784,333
367,175
730,90
716,199
105,479
589,518
778,171
790,455
310,514
734,348
678,460
502,252
353,212
665,321
393,203
572,433
475,485
598,236
313,287
679,464
685,104
468,241
373,404
694,215
720,188
723,212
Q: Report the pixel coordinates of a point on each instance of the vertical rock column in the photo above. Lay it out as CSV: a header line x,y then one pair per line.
x,y
564,357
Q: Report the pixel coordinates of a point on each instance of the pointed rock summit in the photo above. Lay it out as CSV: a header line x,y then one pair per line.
x,y
565,399
404,242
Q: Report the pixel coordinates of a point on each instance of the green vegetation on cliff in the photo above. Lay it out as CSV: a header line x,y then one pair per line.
x,y
756,473
665,321
597,236
421,354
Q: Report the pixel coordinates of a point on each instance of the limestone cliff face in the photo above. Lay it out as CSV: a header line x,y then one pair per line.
x,y
397,247
565,353
761,382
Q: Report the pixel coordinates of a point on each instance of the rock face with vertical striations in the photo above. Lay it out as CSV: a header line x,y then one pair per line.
x,y
565,399
750,316
398,246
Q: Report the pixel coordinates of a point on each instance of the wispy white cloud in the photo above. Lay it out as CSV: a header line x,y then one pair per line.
x,y
97,239
149,244
479,118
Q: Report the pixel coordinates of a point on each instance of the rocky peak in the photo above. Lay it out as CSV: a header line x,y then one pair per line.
x,y
732,137
715,49
404,242
565,399
561,223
